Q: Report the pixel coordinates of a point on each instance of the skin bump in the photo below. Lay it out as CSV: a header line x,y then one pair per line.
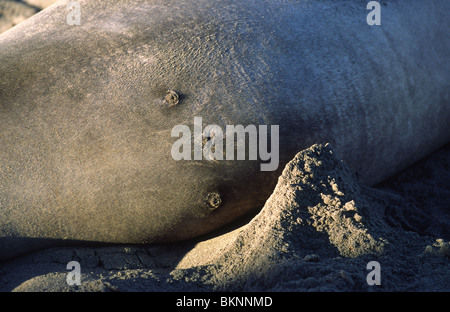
x,y
213,200
172,98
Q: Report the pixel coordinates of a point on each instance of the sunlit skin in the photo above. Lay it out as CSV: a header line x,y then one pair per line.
x,y
86,117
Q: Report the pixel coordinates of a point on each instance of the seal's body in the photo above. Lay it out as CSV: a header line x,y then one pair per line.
x,y
85,125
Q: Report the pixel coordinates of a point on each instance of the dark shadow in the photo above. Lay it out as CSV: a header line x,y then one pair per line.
x,y
25,258
422,194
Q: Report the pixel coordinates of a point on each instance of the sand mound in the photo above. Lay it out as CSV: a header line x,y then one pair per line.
x,y
316,232
311,214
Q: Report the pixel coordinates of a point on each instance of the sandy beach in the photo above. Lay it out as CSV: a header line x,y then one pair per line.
x,y
318,232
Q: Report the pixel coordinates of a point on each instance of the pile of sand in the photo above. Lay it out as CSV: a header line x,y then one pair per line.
x,y
317,232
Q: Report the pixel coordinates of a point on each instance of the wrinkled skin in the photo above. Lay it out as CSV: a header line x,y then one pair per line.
x,y
85,134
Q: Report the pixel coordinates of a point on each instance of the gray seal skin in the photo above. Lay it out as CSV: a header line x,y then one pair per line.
x,y
85,131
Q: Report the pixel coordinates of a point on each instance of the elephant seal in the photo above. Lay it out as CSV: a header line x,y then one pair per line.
x,y
87,111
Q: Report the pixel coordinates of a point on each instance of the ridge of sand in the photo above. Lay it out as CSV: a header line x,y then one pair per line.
x,y
316,232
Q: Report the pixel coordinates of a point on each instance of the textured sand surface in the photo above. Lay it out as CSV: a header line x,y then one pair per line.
x,y
316,232
14,12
